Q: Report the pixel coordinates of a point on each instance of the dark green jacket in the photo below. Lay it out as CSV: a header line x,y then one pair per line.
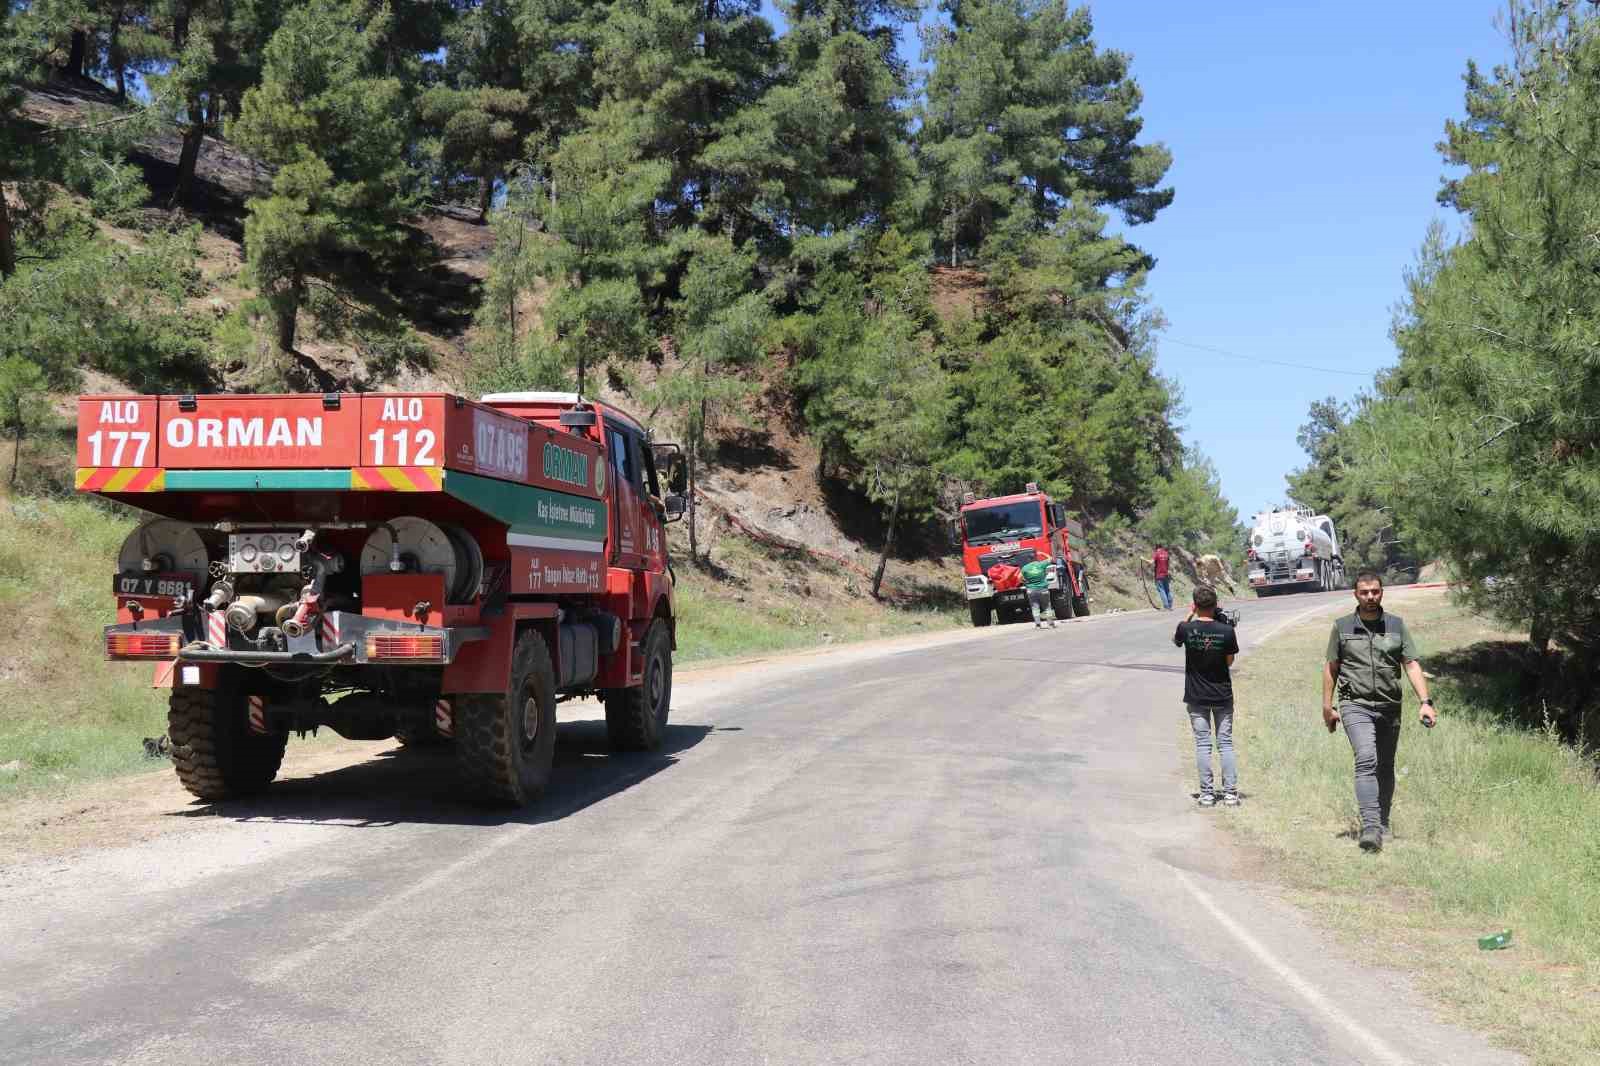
x,y
1369,658
1036,575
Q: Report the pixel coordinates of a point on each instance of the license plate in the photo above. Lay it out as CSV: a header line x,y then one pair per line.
x,y
263,553
174,585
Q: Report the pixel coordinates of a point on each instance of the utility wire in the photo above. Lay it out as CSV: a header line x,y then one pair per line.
x,y
1259,359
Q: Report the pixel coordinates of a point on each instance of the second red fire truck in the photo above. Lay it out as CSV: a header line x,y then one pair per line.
x,y
1011,531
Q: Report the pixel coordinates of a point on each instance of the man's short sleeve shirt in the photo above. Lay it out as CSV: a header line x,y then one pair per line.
x,y
1206,645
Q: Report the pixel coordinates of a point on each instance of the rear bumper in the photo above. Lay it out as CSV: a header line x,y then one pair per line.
x,y
208,654
1268,579
340,638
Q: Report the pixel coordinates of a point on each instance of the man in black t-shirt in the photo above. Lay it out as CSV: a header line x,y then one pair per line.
x,y
1209,647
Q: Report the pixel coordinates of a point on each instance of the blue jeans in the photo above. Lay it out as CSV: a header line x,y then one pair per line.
x,y
1202,718
1164,589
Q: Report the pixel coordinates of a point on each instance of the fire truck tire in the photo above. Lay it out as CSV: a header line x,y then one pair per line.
x,y
981,610
506,744
636,718
1061,603
1080,603
214,752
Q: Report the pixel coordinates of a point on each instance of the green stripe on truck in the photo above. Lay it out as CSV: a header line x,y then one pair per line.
x,y
537,517
257,480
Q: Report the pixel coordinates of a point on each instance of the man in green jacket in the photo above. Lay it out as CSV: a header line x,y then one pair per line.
x,y
1036,579
1367,651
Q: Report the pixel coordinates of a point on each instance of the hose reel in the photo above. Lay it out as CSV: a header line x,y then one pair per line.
x,y
428,548
162,546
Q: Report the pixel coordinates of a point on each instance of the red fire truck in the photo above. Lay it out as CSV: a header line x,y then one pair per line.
x,y
1011,531
409,565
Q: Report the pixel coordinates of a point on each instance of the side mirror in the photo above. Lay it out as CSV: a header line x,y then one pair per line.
x,y
671,467
673,507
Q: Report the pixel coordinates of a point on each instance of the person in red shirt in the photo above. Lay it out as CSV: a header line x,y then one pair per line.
x,y
1161,560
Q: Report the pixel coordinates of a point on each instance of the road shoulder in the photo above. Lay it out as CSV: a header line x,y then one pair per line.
x,y
1476,850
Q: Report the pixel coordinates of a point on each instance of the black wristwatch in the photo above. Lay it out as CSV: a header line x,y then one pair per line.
x,y
1428,702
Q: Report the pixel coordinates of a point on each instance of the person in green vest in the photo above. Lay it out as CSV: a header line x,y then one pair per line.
x,y
1036,579
1368,650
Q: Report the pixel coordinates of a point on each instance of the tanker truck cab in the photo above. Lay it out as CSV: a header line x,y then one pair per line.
x,y
409,565
1010,531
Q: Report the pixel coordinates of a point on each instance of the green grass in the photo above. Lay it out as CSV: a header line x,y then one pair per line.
x,y
69,715
1496,827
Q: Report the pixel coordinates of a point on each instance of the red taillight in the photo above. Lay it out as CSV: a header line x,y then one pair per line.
x,y
413,646
1251,554
142,645
1311,548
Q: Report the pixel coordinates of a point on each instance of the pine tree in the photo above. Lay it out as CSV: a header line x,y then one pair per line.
x,y
24,404
86,154
824,148
1334,483
1190,510
670,74
899,419
1026,117
218,48
1484,435
337,130
479,115
720,321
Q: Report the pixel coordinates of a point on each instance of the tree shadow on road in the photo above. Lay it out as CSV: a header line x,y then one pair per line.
x,y
418,786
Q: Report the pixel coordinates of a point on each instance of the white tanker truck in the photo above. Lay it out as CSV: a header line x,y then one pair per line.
x,y
1292,548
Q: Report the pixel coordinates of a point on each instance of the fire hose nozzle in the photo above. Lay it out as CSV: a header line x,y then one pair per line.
x,y
221,594
300,623
302,543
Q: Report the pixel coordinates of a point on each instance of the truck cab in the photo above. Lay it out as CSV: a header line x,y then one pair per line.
x,y
1010,531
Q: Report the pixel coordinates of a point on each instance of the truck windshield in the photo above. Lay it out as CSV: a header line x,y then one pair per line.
x,y
986,525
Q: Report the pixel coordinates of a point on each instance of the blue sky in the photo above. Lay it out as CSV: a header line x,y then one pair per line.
x,y
1305,166
1303,142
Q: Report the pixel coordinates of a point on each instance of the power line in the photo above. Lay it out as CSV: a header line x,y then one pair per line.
x,y
1259,359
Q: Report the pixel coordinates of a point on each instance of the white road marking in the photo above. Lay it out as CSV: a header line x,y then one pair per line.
x,y
1381,1052
1287,622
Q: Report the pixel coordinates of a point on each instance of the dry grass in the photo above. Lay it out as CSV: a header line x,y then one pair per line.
x,y
1495,828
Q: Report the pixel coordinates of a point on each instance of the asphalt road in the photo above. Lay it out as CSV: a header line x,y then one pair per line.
x,y
980,848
